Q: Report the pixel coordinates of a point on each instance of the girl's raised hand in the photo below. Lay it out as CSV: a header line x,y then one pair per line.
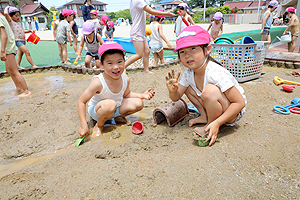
x,y
148,94
172,81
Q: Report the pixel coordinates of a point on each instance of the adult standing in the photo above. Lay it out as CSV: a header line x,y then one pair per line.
x,y
86,9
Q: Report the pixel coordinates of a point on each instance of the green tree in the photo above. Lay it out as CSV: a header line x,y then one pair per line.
x,y
124,14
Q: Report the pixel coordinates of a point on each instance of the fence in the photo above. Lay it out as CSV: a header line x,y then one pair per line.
x,y
242,18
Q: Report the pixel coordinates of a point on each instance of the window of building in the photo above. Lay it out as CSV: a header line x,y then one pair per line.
x,y
168,6
41,19
101,8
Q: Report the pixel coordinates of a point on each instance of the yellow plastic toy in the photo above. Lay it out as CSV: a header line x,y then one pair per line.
x,y
148,31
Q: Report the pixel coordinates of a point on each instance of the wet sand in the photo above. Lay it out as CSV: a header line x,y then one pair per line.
x,y
256,159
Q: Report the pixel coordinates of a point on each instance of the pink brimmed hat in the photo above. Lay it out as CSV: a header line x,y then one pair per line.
x,y
94,12
108,46
67,12
110,24
290,9
218,15
160,16
12,9
192,36
104,19
87,27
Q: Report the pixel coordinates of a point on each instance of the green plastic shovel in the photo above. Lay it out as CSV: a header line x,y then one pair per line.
x,y
79,141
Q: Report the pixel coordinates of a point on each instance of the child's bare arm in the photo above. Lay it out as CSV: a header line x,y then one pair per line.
x,y
160,31
100,39
94,87
190,19
71,28
80,48
3,43
209,26
149,10
148,94
6,14
69,38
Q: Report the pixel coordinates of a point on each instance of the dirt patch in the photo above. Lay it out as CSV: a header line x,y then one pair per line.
x,y
256,159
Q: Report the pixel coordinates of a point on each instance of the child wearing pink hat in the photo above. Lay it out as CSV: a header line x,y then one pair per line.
x,y
138,9
216,27
110,29
180,25
293,26
267,22
92,42
210,87
63,35
109,96
156,38
12,15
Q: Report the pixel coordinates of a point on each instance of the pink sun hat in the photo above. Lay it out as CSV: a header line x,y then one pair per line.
x,y
160,16
104,19
67,12
94,12
87,27
108,46
74,13
192,36
12,9
273,3
290,9
110,24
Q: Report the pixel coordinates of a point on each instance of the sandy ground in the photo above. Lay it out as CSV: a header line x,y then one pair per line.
x,y
256,159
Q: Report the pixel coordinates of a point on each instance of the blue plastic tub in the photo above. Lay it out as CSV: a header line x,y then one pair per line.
x,y
224,40
245,40
125,42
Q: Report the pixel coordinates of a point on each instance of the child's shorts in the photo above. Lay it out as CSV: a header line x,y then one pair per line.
x,y
61,41
20,43
238,117
72,36
94,55
92,112
157,47
266,31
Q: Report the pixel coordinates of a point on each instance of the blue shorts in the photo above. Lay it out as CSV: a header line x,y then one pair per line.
x,y
94,55
93,113
157,47
20,43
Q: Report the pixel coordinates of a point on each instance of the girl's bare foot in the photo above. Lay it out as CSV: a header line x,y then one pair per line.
x,y
67,63
120,119
25,94
97,131
68,59
62,61
16,92
199,131
148,72
34,66
21,67
198,120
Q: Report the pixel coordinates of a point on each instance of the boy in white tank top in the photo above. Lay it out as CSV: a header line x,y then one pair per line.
x,y
156,37
109,95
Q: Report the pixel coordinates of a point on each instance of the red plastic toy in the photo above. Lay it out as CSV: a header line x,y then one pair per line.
x,y
288,88
137,128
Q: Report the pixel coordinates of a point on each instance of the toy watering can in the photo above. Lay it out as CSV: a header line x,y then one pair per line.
x,y
285,38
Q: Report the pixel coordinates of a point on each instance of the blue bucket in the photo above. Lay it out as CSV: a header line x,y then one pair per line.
x,y
246,40
224,40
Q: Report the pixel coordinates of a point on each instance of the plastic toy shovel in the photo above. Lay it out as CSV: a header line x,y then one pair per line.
x,y
183,19
79,141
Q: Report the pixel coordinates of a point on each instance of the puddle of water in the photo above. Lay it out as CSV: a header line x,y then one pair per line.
x,y
38,83
105,140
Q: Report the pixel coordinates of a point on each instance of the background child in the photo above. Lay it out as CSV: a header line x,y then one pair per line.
x,y
12,15
267,22
110,29
74,32
294,26
210,87
7,53
137,32
216,27
63,35
109,93
180,25
156,37
55,25
93,41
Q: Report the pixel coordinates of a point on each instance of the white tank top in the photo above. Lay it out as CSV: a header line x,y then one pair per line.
x,y
154,37
106,93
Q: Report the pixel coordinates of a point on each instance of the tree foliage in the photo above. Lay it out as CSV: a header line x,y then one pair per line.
x,y
209,3
113,16
210,10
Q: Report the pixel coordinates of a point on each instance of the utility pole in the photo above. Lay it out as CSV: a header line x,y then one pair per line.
x,y
258,11
204,11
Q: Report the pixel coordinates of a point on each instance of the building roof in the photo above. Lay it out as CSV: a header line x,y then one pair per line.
x,y
255,3
29,9
81,2
239,4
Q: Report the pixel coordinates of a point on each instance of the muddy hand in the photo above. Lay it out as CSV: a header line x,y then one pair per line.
x,y
172,81
148,94
213,130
